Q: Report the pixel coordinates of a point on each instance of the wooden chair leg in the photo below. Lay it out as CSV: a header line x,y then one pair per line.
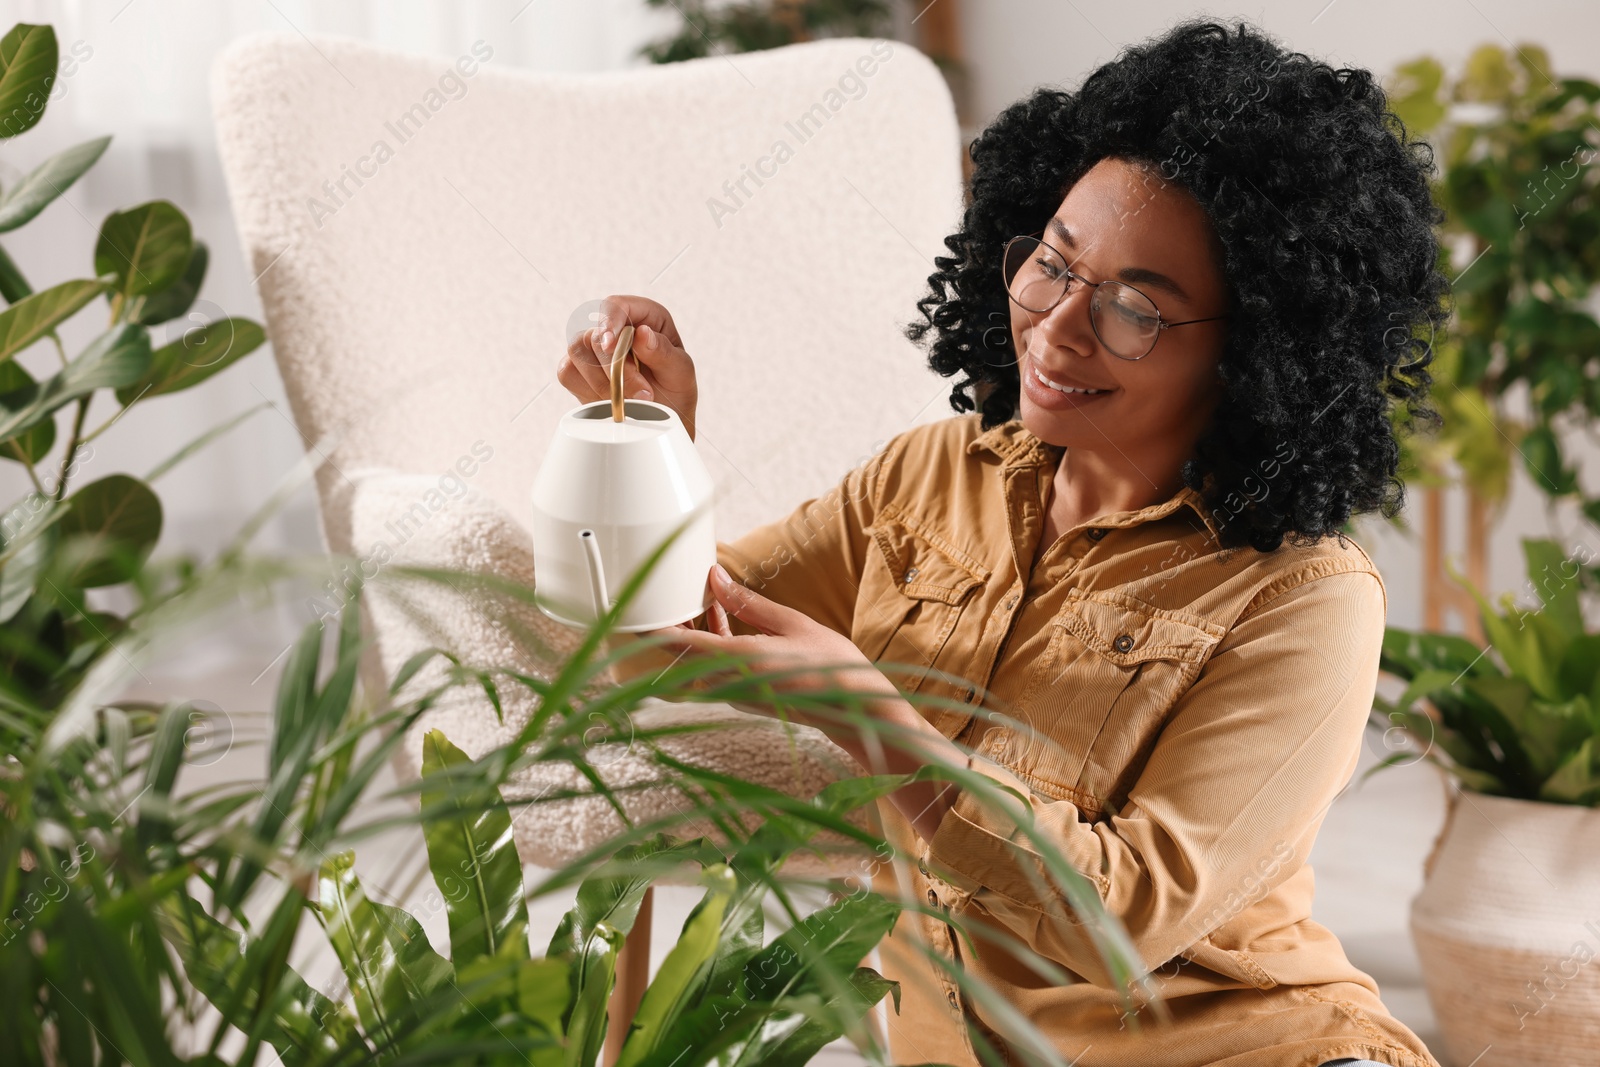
x,y
633,974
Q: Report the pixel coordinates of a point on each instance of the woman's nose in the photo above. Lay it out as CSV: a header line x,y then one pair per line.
x,y
1067,324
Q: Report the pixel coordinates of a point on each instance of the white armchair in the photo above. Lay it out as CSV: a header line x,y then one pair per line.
x,y
422,228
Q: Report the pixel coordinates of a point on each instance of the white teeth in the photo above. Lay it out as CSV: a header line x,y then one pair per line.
x,y
1066,388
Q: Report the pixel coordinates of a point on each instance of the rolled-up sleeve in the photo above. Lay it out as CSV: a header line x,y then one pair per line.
x,y
1226,808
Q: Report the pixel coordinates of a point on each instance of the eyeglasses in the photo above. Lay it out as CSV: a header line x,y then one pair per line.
x,y
1126,321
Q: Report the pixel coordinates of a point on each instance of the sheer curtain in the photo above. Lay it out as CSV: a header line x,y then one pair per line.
x,y
140,71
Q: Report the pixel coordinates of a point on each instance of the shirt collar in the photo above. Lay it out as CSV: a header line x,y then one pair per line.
x,y
1016,446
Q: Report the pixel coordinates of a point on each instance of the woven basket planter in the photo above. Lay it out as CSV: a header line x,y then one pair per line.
x,y
1507,927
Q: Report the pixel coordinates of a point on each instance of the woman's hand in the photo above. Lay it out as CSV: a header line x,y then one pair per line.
x,y
668,372
788,639
905,742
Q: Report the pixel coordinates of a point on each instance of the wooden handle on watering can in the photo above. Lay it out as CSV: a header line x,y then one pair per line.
x,y
619,362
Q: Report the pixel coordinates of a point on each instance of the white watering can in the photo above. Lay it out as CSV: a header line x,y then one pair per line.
x,y
607,495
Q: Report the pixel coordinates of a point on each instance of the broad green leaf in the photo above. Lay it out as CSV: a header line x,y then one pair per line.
x,y
1542,458
1488,76
196,356
178,297
13,286
472,854
27,541
860,992
114,359
831,943
1552,731
1424,684
36,442
1406,652
383,950
33,317
613,898
1516,637
117,520
1414,94
1511,696
743,930
1555,577
28,59
302,1025
819,958
542,992
1577,780
146,247
681,977
47,181
1477,781
586,1024
720,1028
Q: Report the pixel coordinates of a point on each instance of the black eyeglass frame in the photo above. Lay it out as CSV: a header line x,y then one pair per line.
x,y
1070,274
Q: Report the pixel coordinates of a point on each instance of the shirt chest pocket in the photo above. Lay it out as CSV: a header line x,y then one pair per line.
x,y
914,586
1099,696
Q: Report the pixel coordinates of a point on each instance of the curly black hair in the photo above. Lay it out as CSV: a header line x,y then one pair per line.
x,y
1331,258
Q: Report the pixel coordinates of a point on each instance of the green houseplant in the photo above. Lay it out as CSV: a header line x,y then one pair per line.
x,y
1504,921
56,545
125,891
1511,724
1520,719
1522,199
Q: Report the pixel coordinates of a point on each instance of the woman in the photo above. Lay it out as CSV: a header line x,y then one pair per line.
x,y
1192,299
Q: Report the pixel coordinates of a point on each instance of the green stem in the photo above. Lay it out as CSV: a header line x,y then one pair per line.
x,y
62,352
72,446
22,457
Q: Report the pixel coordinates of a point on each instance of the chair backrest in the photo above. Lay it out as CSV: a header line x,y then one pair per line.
x,y
422,228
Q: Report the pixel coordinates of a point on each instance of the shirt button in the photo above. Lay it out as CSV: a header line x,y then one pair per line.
x,y
1010,600
922,870
1123,643
911,572
970,690
1096,533
933,898
955,1001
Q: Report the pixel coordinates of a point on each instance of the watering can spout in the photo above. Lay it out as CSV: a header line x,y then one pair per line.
x,y
597,573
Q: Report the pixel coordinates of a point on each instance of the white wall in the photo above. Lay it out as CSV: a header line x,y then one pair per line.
x,y
146,82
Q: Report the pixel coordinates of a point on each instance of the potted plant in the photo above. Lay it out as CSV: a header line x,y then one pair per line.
x,y
1518,367
1507,924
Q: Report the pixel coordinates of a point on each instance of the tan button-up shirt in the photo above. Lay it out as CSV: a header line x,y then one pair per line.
x,y
1182,718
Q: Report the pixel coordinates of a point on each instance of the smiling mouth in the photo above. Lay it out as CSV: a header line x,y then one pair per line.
x,y
1063,388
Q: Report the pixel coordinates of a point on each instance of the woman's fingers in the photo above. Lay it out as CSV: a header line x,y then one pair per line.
x,y
667,365
584,371
619,310
660,370
717,615
753,609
